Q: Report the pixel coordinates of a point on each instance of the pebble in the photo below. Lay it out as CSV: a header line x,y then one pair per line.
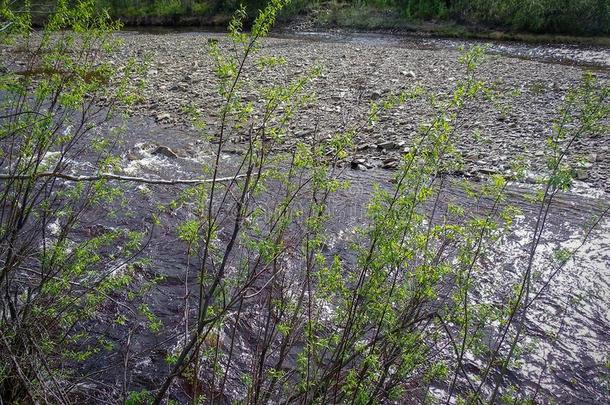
x,y
163,116
409,73
387,145
353,75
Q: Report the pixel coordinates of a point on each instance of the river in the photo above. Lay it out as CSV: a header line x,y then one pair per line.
x,y
568,331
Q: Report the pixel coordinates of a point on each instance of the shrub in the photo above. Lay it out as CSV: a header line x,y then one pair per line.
x,y
53,278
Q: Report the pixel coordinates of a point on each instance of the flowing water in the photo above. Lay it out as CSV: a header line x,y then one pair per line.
x,y
573,309
568,329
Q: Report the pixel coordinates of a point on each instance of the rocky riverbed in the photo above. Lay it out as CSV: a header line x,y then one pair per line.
x,y
357,72
528,82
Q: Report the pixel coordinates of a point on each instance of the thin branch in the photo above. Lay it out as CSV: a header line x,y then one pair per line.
x,y
110,176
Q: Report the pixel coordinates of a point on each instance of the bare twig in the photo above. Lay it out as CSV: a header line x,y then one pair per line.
x,y
111,176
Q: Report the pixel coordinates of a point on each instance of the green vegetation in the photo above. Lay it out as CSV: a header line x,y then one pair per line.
x,y
381,326
160,8
54,283
452,17
579,17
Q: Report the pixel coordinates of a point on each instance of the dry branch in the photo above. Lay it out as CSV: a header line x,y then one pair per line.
x,y
110,176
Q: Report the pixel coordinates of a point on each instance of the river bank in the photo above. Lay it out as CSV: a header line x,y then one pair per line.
x,y
377,26
426,18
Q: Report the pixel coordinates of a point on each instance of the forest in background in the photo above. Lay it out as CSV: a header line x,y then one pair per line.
x,y
572,17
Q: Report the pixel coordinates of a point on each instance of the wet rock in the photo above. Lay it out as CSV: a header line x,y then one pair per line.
x,y
531,178
581,174
358,164
165,151
183,153
585,165
391,163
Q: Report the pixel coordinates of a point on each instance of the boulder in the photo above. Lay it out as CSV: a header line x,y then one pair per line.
x,y
165,151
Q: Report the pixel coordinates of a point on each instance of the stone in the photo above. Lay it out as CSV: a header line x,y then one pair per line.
x,y
585,165
179,87
358,164
409,73
387,145
182,152
165,151
581,174
376,95
531,178
304,133
163,116
390,163
487,170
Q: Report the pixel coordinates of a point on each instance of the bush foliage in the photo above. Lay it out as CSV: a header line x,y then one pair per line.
x,y
536,16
